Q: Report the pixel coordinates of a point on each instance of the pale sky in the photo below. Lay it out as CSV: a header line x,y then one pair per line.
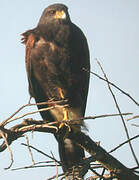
x,y
112,30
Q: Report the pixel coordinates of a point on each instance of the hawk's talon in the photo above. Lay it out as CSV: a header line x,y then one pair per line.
x,y
68,126
61,125
65,118
65,124
67,130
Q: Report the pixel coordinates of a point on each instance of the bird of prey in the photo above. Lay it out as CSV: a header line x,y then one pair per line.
x,y
56,58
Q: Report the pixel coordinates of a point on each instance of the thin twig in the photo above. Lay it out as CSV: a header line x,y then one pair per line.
x,y
3,123
34,112
26,105
46,162
102,174
123,143
137,172
96,167
104,115
134,117
106,176
96,173
34,166
136,125
39,151
127,94
9,149
30,152
134,169
73,121
118,108
137,167
29,124
55,166
53,177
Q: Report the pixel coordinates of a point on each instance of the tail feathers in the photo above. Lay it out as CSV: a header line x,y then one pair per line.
x,y
71,155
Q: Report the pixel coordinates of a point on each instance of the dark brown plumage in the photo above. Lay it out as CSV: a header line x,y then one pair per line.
x,y
56,54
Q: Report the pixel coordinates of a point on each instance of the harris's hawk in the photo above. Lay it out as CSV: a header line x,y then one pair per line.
x,y
56,56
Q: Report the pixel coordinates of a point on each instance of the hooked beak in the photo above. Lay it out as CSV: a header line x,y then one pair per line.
x,y
60,15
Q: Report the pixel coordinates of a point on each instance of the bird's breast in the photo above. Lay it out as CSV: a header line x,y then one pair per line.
x,y
42,43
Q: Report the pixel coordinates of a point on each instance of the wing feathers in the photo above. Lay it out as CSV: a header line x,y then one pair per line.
x,y
29,40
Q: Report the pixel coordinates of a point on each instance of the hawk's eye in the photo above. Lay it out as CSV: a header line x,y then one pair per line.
x,y
52,12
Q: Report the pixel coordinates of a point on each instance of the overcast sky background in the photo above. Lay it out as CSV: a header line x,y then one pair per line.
x,y
112,31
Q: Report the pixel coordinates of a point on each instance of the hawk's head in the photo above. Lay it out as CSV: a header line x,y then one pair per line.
x,y
55,13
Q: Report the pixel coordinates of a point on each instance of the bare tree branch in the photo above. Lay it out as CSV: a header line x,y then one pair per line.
x,y
30,152
118,108
123,143
98,153
136,125
8,147
28,105
127,94
39,151
106,176
134,117
29,124
34,112
55,166
53,177
104,158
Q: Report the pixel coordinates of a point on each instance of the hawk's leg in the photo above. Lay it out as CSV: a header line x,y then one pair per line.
x,y
65,117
